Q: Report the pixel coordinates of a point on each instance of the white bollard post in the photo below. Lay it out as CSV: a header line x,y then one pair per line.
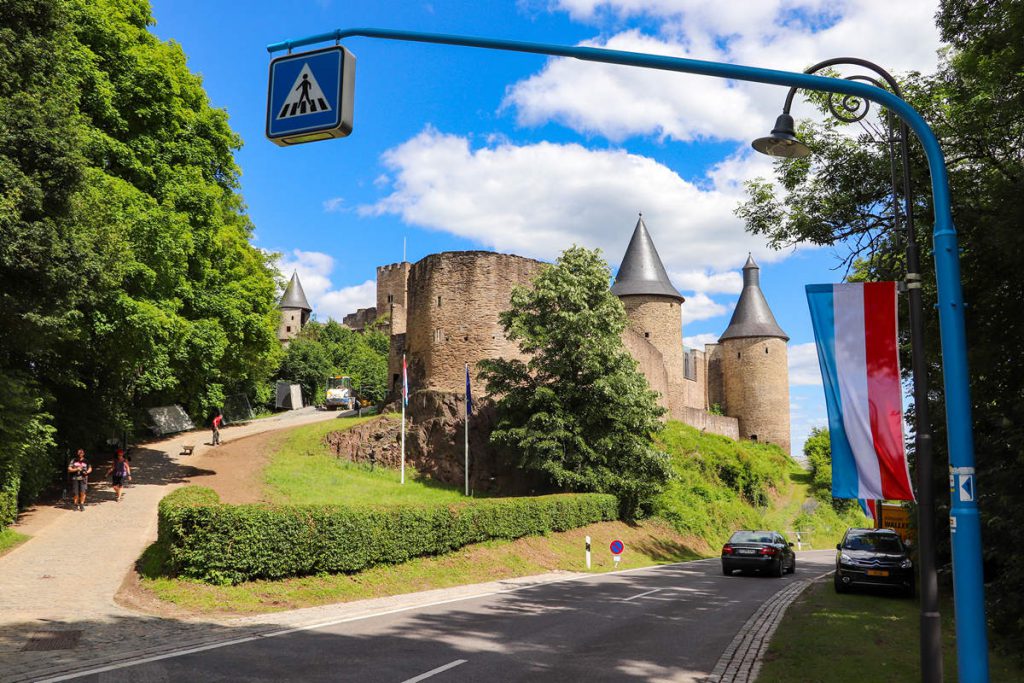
x,y
588,552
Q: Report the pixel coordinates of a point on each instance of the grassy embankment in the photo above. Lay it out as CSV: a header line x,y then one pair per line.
x,y
10,539
710,495
854,637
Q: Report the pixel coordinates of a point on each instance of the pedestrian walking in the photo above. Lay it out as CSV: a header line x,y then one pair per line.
x,y
120,472
79,470
218,419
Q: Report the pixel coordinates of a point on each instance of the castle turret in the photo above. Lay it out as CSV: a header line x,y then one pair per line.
x,y
755,370
653,306
295,310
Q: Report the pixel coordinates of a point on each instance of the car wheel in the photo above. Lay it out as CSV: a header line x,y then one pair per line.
x,y
792,567
779,569
726,570
839,585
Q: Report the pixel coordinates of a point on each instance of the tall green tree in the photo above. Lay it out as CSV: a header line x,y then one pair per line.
x,y
840,196
579,410
126,275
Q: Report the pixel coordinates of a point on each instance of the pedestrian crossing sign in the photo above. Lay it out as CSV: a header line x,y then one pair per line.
x,y
309,97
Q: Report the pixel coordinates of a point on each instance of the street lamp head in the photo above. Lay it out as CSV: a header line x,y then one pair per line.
x,y
783,141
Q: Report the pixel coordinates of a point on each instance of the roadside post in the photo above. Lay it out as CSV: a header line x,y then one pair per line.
x,y
617,547
588,552
964,522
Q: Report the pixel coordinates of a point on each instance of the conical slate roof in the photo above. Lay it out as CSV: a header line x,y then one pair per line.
x,y
642,271
752,317
294,297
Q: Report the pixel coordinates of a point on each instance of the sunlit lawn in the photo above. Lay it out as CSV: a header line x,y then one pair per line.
x,y
850,638
303,471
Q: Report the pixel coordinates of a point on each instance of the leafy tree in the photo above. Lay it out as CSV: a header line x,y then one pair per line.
x,y
841,196
323,350
578,411
126,275
818,452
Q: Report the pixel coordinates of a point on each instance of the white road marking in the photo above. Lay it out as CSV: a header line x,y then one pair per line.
x,y
434,672
640,595
343,620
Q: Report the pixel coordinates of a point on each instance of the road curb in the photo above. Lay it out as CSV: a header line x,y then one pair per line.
x,y
741,661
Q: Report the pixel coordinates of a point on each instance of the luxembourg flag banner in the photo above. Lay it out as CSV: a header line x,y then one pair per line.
x,y
855,332
868,506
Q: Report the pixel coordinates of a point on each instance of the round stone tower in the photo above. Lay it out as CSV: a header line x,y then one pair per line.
x,y
755,368
295,311
653,306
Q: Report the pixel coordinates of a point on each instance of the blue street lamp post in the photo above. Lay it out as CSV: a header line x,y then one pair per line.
x,y
965,525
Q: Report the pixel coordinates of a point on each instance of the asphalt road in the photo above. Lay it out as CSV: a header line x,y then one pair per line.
x,y
668,623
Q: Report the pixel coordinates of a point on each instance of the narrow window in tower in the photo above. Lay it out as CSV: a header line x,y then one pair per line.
x,y
288,328
753,437
438,335
391,298
766,349
737,354
647,335
439,302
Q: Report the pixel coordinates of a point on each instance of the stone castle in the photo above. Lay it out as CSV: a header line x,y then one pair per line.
x,y
443,313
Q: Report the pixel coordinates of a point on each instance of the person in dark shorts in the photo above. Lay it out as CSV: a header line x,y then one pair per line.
x,y
79,470
218,419
120,471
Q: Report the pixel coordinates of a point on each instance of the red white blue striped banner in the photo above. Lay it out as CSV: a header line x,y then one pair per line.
x,y
855,331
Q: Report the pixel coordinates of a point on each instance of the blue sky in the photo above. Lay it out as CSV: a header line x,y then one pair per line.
x,y
456,148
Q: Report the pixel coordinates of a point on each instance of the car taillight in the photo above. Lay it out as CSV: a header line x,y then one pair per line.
x,y
768,551
727,550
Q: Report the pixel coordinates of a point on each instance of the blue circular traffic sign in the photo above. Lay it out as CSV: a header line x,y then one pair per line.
x,y
617,547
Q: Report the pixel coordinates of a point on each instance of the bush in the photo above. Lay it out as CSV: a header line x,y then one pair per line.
x,y
224,544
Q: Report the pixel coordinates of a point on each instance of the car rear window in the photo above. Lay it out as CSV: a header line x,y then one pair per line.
x,y
879,543
752,537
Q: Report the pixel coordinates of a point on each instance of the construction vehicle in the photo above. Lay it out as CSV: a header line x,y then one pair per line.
x,y
340,393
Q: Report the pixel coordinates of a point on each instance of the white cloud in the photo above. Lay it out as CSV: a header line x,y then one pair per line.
x,y
699,306
536,200
698,341
803,365
618,101
314,269
334,204
340,302
729,282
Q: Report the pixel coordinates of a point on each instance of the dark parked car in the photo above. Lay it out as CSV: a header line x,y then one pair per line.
x,y
763,551
873,557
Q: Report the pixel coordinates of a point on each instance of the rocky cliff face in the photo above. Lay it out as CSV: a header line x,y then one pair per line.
x,y
435,445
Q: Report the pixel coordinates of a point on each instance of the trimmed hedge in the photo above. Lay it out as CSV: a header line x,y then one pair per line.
x,y
223,544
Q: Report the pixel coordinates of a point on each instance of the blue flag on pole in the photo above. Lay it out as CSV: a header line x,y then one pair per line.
x,y
469,394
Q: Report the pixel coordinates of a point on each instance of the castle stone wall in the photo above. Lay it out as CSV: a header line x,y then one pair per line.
x,y
292,320
360,319
695,389
453,303
392,294
650,362
716,424
658,320
756,381
715,381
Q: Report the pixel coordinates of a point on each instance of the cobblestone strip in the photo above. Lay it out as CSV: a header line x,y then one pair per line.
x,y
741,661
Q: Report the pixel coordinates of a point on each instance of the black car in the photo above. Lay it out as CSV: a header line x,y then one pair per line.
x,y
763,551
873,557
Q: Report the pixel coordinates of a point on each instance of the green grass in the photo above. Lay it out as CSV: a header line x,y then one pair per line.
x,y
304,472
649,543
10,539
855,637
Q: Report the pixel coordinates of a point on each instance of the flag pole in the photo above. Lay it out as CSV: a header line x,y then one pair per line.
x,y
466,466
405,399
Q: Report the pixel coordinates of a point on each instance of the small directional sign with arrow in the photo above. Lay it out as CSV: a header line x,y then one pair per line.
x,y
310,96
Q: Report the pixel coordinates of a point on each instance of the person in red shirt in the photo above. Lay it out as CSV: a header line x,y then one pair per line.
x,y
218,419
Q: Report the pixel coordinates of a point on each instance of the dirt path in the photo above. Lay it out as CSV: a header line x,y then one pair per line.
x,y
235,470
